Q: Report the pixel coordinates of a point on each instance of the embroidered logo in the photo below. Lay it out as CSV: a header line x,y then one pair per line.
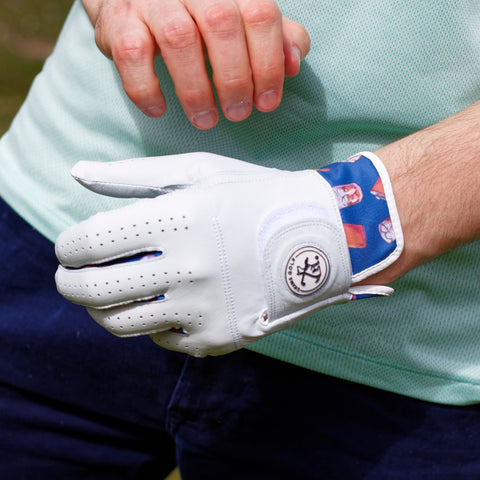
x,y
307,270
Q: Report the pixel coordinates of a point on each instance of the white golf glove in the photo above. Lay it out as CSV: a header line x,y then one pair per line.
x,y
224,252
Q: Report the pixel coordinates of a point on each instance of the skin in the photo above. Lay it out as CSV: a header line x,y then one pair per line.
x,y
435,179
249,44
251,48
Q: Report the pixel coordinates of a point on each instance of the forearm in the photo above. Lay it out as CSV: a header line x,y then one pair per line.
x,y
435,175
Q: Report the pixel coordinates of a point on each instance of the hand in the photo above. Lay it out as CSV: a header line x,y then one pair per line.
x,y
250,46
225,252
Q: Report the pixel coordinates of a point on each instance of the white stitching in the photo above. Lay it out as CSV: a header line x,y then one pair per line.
x,y
227,284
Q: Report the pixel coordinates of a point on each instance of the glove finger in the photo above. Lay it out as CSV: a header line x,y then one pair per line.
x,y
105,287
152,176
135,319
122,233
178,342
148,317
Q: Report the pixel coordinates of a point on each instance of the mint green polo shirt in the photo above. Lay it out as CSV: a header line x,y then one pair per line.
x,y
377,71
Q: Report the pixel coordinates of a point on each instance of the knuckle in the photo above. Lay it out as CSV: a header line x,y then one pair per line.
x,y
131,47
270,72
191,98
221,19
235,84
233,81
261,14
140,93
178,34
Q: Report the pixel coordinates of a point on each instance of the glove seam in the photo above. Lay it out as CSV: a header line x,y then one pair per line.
x,y
226,284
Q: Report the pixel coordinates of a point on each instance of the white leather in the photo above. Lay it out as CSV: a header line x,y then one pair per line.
x,y
226,230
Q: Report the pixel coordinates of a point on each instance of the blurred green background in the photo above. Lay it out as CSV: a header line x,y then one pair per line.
x,y
28,30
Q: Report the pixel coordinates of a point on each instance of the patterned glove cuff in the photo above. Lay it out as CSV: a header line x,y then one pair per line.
x,y
369,214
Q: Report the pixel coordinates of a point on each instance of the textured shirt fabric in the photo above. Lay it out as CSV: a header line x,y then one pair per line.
x,y
377,71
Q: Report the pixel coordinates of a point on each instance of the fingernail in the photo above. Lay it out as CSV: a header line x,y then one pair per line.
x,y
267,100
298,54
238,111
205,120
156,111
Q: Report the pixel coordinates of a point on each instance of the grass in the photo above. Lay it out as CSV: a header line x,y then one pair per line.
x,y
28,29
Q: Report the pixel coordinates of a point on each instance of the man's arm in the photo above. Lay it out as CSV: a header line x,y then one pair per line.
x,y
274,243
435,175
250,47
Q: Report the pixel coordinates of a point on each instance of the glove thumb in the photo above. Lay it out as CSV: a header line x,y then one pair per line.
x,y
152,176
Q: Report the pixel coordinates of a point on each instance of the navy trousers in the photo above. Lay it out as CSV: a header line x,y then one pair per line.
x,y
78,403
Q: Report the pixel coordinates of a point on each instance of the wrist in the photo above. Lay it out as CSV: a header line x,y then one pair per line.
x,y
434,174
406,179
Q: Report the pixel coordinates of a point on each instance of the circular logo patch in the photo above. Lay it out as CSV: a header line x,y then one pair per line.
x,y
307,270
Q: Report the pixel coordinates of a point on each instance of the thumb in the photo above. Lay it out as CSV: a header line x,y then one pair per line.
x,y
296,45
149,177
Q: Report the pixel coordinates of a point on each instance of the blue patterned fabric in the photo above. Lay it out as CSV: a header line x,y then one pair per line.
x,y
364,210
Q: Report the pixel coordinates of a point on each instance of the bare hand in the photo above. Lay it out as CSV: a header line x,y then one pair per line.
x,y
250,45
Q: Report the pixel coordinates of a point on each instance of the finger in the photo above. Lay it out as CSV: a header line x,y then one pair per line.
x,y
296,45
123,36
146,318
123,233
136,178
262,20
106,287
221,26
132,320
152,176
182,50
